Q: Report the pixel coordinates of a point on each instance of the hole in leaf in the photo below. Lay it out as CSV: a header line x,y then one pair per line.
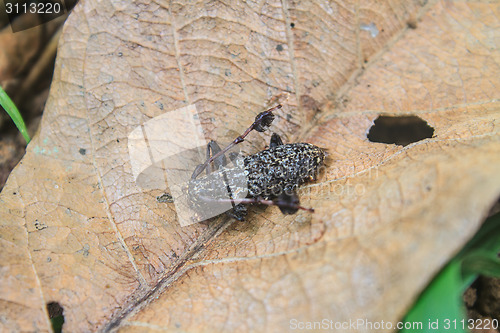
x,y
399,130
56,316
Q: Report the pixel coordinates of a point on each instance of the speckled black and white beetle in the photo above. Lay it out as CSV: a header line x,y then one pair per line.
x,y
271,176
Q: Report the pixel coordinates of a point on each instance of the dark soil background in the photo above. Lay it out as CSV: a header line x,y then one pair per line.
x,y
26,67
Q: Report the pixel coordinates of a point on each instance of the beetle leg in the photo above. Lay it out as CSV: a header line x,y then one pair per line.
x,y
275,141
213,149
239,212
287,203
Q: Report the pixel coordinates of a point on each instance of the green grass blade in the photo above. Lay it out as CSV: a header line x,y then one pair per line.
x,y
14,114
486,238
440,304
481,265
57,324
440,307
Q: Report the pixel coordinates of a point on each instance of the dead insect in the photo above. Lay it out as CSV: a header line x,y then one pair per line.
x,y
165,197
269,177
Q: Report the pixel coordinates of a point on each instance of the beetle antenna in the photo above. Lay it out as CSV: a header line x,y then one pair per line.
x,y
285,205
261,123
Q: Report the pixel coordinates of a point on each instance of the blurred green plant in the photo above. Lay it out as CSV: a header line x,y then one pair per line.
x,y
14,114
440,307
57,324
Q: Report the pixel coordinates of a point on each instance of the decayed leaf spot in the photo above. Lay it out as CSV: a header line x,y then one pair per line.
x,y
399,130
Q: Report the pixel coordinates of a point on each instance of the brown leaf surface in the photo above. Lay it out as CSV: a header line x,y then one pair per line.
x,y
77,230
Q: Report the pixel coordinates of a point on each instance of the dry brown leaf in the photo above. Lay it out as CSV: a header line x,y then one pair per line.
x,y
77,230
